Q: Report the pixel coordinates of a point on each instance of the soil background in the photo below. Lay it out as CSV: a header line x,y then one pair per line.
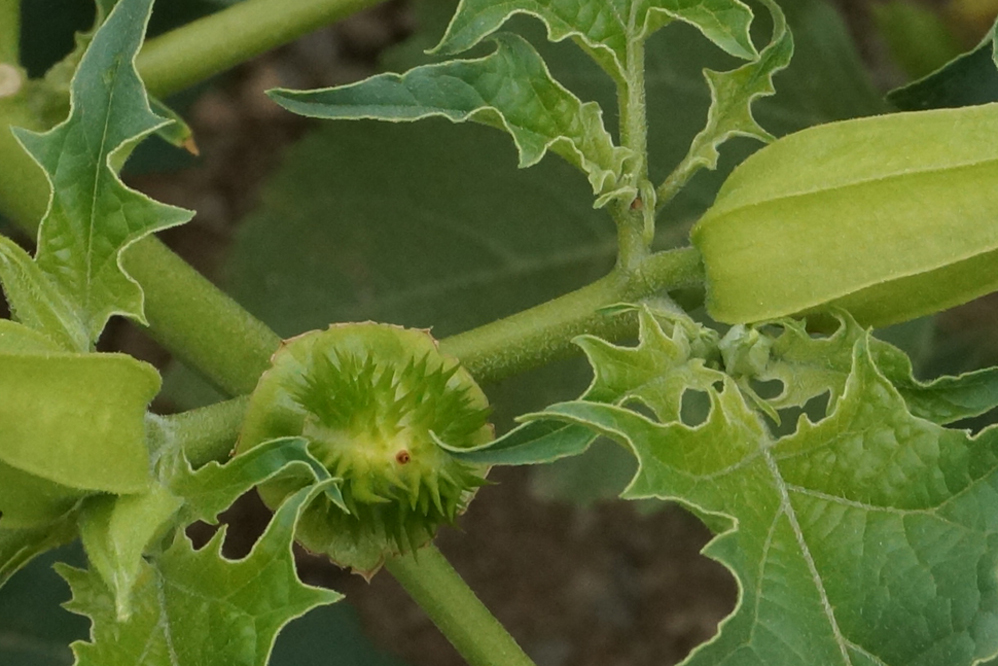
x,y
602,585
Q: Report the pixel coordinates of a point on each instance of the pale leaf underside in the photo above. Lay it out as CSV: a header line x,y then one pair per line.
x,y
510,89
606,27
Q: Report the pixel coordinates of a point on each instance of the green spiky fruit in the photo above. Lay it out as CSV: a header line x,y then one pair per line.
x,y
370,398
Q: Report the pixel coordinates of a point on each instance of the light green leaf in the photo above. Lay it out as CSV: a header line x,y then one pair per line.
x,y
72,424
197,608
772,244
117,530
17,338
38,302
19,546
177,132
732,94
872,525
510,89
607,28
92,217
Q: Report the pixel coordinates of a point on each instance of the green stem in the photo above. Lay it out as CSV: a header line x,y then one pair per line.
x,y
634,219
543,333
209,433
10,31
476,634
213,44
196,321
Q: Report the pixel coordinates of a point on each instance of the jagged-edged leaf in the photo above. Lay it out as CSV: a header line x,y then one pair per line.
x,y
608,28
656,373
92,217
865,538
808,366
510,89
194,607
37,301
731,96
214,486
967,80
116,532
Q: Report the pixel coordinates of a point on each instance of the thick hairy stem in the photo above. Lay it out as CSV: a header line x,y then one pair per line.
x,y
211,45
476,634
543,333
209,433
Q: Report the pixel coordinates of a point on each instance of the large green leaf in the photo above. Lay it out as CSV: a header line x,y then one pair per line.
x,y
608,28
194,607
510,89
872,525
967,80
92,217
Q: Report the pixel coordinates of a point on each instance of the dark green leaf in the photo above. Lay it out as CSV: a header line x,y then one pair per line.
x,y
92,217
967,80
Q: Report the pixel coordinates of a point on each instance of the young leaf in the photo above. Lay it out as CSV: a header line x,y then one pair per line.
x,y
808,366
510,89
606,27
92,217
38,302
871,525
116,530
656,373
214,487
16,338
732,94
195,607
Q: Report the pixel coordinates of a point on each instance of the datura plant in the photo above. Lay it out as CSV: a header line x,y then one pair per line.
x,y
855,512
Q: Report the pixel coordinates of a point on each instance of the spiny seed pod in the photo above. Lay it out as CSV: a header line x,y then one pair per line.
x,y
370,398
889,217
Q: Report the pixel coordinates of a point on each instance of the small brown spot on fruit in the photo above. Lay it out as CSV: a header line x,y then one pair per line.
x,y
402,457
